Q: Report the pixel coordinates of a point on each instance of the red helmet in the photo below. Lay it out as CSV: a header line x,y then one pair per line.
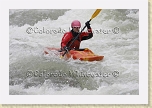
x,y
75,23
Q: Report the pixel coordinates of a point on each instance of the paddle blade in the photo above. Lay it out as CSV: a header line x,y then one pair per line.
x,y
95,13
61,57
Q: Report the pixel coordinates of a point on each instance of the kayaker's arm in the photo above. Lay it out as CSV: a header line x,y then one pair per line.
x,y
89,34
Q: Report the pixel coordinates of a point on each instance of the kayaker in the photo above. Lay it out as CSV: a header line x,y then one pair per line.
x,y
69,36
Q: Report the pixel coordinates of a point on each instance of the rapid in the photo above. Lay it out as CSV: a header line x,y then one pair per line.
x,y
115,36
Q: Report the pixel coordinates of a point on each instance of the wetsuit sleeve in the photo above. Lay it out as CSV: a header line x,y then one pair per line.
x,y
66,38
87,35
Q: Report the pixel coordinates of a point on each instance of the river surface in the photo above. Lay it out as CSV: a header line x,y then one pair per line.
x,y
115,36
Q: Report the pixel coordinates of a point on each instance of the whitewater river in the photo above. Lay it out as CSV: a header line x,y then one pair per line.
x,y
115,36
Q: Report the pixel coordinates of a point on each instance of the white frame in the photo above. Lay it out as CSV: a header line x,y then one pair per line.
x,y
142,98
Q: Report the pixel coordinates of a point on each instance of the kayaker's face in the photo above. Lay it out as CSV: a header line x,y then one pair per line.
x,y
76,29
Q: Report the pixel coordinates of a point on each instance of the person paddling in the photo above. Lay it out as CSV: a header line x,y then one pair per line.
x,y
69,37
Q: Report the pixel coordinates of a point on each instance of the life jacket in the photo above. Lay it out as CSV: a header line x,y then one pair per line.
x,y
68,39
70,36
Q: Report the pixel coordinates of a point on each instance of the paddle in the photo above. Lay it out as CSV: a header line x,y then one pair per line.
x,y
93,16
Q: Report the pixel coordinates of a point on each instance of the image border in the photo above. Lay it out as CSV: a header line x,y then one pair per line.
x,y
123,4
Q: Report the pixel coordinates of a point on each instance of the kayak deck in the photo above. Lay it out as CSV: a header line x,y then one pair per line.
x,y
83,55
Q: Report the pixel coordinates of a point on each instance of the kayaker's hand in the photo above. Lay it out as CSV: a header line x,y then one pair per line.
x,y
88,24
66,48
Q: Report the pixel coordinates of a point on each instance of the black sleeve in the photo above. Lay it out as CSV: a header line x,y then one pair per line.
x,y
87,37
